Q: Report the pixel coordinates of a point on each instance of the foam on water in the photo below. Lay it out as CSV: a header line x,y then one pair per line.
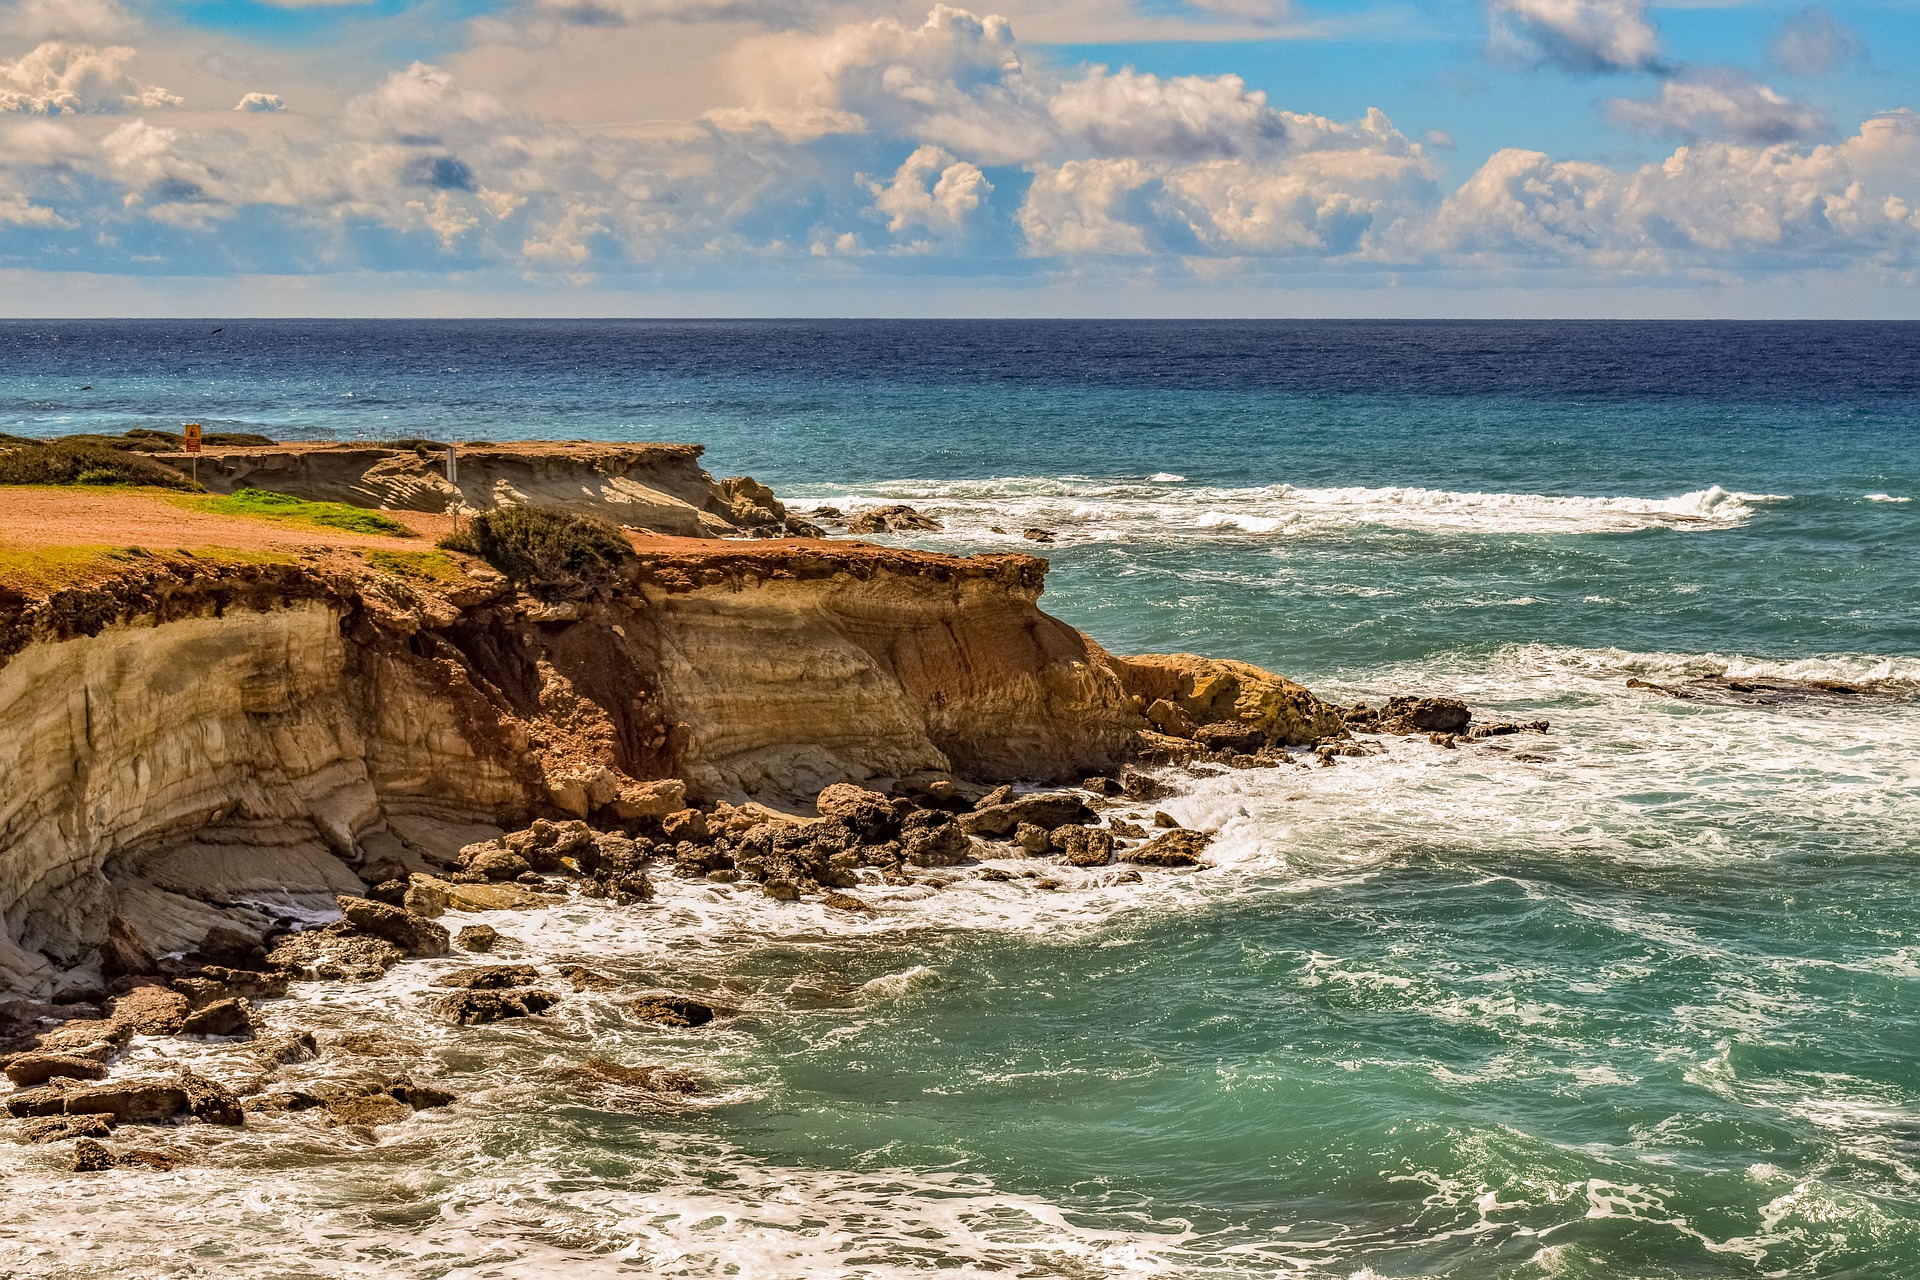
x,y
1161,508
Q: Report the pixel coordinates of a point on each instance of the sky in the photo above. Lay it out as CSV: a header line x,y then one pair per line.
x,y
1080,157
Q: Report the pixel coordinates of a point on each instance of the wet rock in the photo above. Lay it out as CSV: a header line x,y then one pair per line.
x,y
652,1078
30,1070
1083,846
1103,786
287,1047
90,1156
429,896
149,1010
1124,830
381,870
97,1039
1031,838
1233,738
931,838
391,892
476,937
421,1097
490,977
468,1008
280,1100
867,813
139,1101
687,824
1425,715
893,518
337,952
60,1128
1481,731
367,1109
1037,534
46,1100
1177,848
1165,821
845,902
211,1102
213,983
581,978
939,791
124,951
146,1158
414,934
228,946
1046,810
493,861
672,1011
221,1018
998,796
781,890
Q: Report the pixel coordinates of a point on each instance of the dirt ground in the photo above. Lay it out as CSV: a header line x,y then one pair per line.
x,y
53,517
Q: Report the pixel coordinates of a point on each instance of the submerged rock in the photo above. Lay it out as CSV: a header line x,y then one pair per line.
x,y
469,1008
60,1128
287,1047
893,518
652,1078
672,1011
490,977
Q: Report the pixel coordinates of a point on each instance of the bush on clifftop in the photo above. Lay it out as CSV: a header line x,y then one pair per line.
x,y
551,553
82,462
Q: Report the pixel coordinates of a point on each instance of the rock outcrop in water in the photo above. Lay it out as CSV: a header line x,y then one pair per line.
x,y
195,746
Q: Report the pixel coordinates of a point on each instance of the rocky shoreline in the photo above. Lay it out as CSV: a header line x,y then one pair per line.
x,y
233,781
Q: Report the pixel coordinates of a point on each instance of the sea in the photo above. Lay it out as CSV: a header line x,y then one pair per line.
x,y
1635,998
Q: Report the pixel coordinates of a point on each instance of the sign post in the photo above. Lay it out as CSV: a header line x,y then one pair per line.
x,y
191,431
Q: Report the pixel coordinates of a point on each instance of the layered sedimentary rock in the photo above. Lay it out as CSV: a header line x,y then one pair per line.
x,y
659,487
192,744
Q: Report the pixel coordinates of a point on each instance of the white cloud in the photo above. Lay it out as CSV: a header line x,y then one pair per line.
x,y
1576,35
1263,12
1719,104
932,190
1180,118
67,19
620,13
58,78
1813,43
261,102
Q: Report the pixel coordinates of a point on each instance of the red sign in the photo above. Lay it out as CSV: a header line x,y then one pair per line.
x,y
192,430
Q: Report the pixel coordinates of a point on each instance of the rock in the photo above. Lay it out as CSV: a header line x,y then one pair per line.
x,y
47,1100
1124,830
214,983
1102,786
367,1109
1084,846
494,861
1165,821
287,1047
149,1011
96,1039
467,1008
1217,691
654,1078
1177,848
211,1102
845,902
382,870
30,1070
91,1157
226,946
142,1158
421,1097
59,1128
686,824
868,813
221,1018
649,799
931,838
998,796
1037,534
490,977
1032,838
1046,810
1143,787
781,890
1229,737
895,518
672,1011
335,951
414,934
429,896
1169,719
124,951
476,937
1425,715
582,978
139,1101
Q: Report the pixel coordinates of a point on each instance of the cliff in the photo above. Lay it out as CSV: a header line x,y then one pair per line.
x,y
193,739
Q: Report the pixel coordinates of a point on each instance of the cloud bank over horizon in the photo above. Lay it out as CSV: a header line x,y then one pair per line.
x,y
834,145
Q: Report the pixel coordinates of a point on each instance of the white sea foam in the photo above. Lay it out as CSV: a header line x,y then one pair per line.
x,y
1886,497
1088,509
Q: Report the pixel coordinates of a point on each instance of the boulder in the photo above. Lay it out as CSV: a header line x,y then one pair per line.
x,y
287,1047
894,518
476,937
1031,838
845,902
60,1128
335,951
1209,691
46,1100
221,1018
1046,810
30,1070
95,1039
1177,848
138,1101
414,934
491,977
685,824
1037,534
1425,715
149,1011
466,1008
367,1109
124,951
211,1102
1169,719
649,799
672,1011
429,896
867,812
214,983
931,838
1084,846
227,946
90,1156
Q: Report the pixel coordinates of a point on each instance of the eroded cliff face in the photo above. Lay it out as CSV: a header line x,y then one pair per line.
x,y
194,744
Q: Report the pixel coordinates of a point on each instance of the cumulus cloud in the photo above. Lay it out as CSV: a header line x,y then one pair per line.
x,y
261,102
1813,43
58,78
1719,104
1183,117
1586,36
66,19
932,191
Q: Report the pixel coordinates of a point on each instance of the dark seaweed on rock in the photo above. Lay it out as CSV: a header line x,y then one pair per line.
x,y
554,554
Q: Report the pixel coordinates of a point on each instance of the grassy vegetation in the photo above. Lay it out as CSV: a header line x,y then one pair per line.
x,y
42,570
264,504
83,462
433,566
551,553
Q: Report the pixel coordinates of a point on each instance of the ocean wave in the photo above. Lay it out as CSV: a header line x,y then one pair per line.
x,y
1885,497
1090,509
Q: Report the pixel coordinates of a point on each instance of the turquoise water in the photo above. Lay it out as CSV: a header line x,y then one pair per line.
x,y
1647,1006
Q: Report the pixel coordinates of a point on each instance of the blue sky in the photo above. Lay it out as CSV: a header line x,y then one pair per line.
x,y
1153,157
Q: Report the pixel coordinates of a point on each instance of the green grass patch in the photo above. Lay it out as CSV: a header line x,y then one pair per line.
x,y
551,553
433,566
44,570
84,462
265,504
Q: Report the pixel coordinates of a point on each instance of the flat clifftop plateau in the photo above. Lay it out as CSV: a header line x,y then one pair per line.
x,y
230,737
657,487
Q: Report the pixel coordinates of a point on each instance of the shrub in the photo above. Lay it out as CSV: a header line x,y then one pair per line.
x,y
72,461
551,553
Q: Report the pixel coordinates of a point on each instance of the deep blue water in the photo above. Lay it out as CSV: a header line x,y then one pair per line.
x,y
1643,1007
